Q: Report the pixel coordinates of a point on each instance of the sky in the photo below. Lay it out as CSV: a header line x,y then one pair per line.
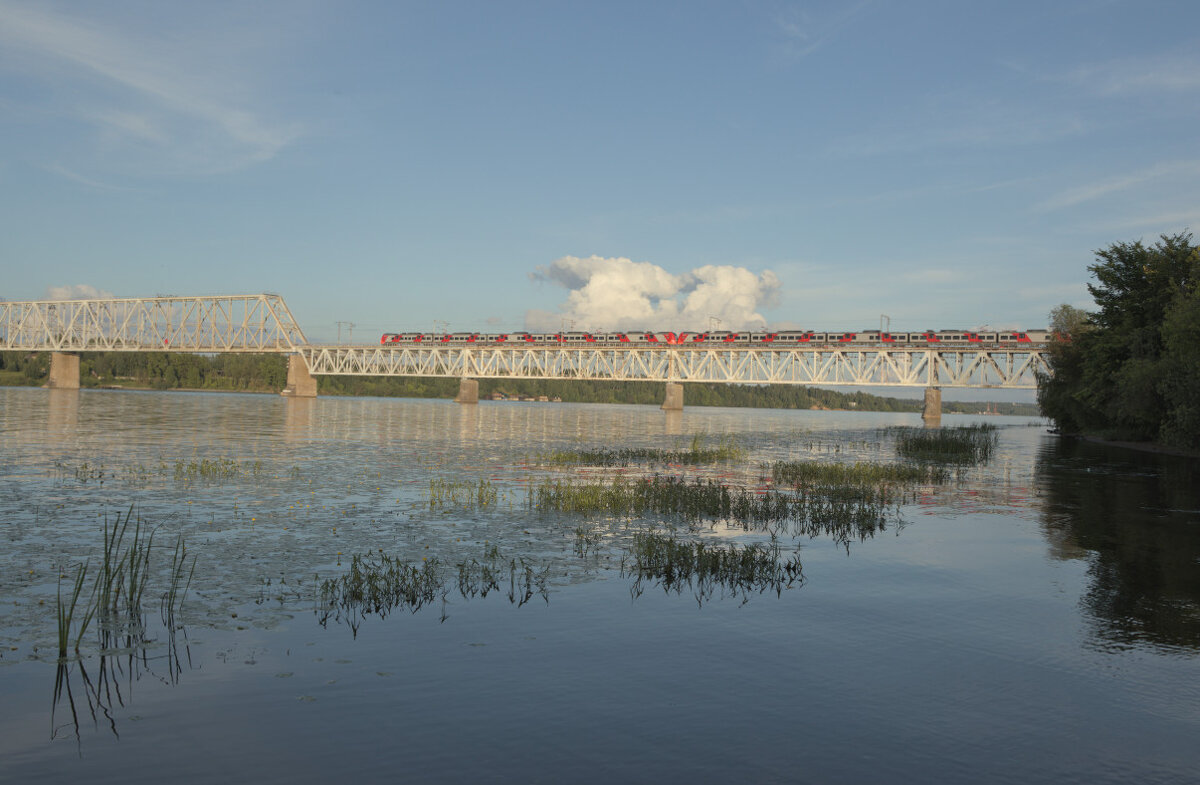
x,y
489,166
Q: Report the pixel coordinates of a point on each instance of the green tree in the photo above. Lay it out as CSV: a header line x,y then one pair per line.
x,y
1130,369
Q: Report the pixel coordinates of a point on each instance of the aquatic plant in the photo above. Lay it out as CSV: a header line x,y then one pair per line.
x,y
696,453
962,445
120,584
462,494
674,564
814,473
378,584
214,469
65,612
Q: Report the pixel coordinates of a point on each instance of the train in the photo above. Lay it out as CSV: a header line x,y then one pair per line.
x,y
782,339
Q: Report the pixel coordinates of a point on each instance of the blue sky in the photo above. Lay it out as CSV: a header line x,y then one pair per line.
x,y
948,164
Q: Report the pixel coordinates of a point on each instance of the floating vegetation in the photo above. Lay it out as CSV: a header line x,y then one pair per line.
x,y
704,568
379,584
212,470
695,454
462,494
964,445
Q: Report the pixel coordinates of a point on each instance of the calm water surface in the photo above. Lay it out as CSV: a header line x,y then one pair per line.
x,y
1035,620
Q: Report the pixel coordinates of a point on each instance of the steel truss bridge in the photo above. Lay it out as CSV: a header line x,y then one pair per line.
x,y
263,323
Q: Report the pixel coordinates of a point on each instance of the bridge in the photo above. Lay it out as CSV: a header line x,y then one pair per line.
x,y
262,323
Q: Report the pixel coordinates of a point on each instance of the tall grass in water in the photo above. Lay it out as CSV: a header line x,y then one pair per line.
x,y
462,494
962,446
214,469
816,474
65,612
378,584
845,512
696,453
676,564
120,585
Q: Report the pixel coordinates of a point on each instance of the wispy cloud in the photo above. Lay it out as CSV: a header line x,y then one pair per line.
x,y
959,121
90,182
151,96
1172,73
1112,185
805,29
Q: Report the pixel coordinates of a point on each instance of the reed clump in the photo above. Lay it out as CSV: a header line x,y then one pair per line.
x,y
120,585
695,454
705,568
216,469
462,494
962,446
843,512
817,474
379,584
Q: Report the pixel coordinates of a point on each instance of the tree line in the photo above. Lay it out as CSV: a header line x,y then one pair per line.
x,y
1130,370
268,373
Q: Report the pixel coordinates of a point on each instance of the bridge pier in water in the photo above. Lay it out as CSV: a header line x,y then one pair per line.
x,y
300,383
468,391
932,415
674,398
64,371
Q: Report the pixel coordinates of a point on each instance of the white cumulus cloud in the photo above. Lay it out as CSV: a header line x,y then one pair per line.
x,y
79,291
615,293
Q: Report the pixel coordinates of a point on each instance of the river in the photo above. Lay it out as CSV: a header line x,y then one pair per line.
x,y
1036,618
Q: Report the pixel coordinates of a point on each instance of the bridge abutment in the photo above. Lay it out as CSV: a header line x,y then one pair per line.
x,y
64,371
468,391
932,415
673,402
300,383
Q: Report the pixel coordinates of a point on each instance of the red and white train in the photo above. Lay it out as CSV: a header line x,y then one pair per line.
x,y
782,339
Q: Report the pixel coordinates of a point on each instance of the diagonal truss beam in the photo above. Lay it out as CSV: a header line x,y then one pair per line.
x,y
955,367
240,323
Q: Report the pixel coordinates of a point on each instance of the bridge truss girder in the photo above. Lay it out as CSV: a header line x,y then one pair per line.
x,y
241,323
879,367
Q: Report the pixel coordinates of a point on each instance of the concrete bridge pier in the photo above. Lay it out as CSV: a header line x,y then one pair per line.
x,y
932,415
468,391
674,399
300,383
64,371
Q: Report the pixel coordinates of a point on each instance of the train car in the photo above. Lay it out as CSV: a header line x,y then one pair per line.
x,y
401,338
577,338
794,336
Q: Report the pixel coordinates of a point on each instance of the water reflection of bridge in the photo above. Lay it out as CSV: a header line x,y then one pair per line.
x,y
263,324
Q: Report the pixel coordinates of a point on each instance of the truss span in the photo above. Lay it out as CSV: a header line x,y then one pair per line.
x,y
240,323
874,367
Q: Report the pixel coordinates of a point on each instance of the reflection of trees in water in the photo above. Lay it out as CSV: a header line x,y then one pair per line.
x,y
1135,517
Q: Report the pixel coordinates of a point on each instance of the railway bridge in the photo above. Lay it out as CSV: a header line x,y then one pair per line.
x,y
262,323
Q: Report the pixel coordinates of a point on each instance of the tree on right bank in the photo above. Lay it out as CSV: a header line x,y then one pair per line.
x,y
1130,370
